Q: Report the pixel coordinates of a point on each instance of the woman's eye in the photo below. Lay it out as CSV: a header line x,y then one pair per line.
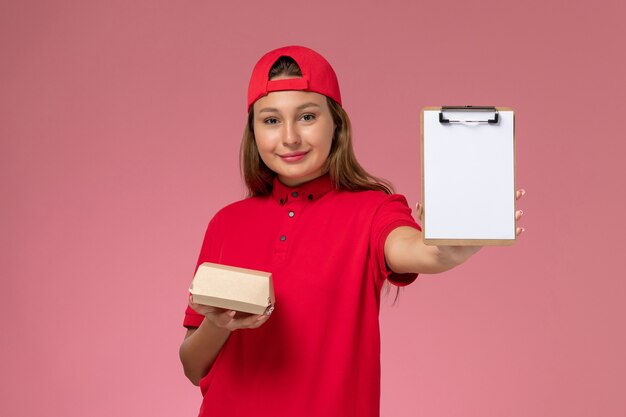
x,y
308,117
271,121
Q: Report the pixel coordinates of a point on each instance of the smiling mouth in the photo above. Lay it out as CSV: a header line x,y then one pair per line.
x,y
293,157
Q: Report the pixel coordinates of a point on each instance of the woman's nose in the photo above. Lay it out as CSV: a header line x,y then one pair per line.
x,y
291,135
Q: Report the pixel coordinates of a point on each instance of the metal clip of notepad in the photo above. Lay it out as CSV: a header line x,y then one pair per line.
x,y
466,109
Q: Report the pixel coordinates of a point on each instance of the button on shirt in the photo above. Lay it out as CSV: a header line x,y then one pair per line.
x,y
319,353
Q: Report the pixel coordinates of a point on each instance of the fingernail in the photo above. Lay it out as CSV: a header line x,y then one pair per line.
x,y
523,230
232,313
523,191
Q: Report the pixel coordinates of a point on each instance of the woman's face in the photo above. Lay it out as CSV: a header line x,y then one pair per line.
x,y
293,132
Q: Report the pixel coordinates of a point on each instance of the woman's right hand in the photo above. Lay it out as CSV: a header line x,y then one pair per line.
x,y
202,344
229,319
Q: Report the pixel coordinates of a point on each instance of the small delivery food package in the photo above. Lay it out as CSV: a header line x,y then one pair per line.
x,y
233,288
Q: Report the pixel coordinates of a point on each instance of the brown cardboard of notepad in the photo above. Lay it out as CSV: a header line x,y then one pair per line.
x,y
233,288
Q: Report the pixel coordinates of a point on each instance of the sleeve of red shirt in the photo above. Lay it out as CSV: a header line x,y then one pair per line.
x,y
193,319
392,213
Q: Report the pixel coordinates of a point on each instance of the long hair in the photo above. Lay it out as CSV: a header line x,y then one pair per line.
x,y
345,171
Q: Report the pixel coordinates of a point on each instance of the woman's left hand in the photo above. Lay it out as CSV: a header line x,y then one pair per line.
x,y
462,253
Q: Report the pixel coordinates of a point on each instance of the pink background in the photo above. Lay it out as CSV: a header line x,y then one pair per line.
x,y
120,124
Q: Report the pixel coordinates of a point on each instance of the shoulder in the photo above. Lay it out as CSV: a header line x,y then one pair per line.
x,y
370,198
242,207
365,207
383,210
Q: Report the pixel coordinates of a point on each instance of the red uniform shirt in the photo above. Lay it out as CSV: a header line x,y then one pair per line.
x,y
319,353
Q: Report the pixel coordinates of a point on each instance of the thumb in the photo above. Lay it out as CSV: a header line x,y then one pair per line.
x,y
419,210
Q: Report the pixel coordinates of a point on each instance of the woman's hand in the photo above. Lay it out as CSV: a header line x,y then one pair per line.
x,y
462,253
202,344
229,319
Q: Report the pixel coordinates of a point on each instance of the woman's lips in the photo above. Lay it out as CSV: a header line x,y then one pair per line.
x,y
293,157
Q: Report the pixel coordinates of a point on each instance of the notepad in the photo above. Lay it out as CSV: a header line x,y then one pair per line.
x,y
468,175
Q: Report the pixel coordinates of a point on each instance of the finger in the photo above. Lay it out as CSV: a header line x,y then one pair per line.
x,y
518,214
225,319
519,231
419,210
196,307
519,193
259,321
204,310
248,321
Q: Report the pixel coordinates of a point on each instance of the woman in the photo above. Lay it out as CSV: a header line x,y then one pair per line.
x,y
330,233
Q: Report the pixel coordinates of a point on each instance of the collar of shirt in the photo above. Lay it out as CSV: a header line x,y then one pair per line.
x,y
310,191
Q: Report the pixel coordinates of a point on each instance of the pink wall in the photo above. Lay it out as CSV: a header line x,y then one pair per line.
x,y
119,128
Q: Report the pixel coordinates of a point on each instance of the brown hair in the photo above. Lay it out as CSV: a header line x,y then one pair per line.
x,y
345,171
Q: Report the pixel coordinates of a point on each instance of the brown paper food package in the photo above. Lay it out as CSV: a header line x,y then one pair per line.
x,y
233,288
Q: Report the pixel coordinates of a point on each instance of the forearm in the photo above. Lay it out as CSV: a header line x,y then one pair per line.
x,y
406,252
437,260
200,348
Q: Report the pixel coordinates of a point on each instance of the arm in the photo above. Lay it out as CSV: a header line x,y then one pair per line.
x,y
406,252
202,345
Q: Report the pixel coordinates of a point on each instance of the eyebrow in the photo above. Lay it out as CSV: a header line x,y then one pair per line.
x,y
300,107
